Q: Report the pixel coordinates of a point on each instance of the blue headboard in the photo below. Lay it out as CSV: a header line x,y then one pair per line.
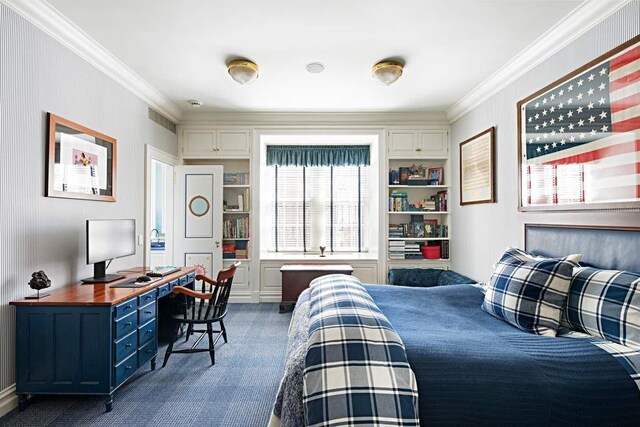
x,y
614,248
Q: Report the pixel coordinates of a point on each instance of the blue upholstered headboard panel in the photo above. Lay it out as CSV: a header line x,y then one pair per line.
x,y
601,247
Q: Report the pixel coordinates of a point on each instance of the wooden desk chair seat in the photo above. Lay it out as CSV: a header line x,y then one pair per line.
x,y
203,308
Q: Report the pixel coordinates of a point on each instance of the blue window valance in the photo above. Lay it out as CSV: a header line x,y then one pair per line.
x,y
318,155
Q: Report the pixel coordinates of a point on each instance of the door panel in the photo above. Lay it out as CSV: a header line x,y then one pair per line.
x,y
198,217
434,144
198,143
233,143
402,143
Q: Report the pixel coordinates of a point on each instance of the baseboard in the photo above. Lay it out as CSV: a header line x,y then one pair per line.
x,y
8,400
267,296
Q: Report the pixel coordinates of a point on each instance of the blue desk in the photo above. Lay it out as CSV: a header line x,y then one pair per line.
x,y
89,339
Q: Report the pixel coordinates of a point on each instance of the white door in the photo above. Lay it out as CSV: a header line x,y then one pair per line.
x,y
198,218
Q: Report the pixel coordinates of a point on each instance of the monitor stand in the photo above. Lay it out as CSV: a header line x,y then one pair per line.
x,y
100,275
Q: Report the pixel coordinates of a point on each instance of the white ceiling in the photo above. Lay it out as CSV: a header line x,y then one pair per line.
x,y
181,47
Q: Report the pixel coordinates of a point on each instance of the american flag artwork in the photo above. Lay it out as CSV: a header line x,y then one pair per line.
x,y
580,139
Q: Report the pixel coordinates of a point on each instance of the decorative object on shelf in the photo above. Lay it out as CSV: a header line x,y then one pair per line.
x,y
577,137
243,71
199,206
435,176
476,169
322,249
404,175
387,72
39,281
81,162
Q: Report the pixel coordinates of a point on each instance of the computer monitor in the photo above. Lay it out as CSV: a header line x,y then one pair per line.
x,y
108,239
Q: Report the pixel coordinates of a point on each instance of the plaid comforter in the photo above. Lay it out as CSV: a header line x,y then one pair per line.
x,y
356,369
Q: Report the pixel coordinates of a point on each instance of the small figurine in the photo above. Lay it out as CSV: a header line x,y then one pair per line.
x,y
322,248
39,280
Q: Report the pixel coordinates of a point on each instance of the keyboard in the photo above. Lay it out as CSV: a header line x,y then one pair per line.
x,y
162,271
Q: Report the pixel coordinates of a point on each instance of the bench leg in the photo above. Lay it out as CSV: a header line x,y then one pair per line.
x,y
22,402
108,405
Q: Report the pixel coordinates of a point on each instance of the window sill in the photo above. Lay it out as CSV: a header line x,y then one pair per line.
x,y
344,256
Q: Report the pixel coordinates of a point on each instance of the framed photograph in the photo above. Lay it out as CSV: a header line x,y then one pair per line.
x,y
476,169
404,175
436,175
81,162
578,137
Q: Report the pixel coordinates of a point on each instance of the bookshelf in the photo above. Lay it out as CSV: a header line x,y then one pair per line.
x,y
417,212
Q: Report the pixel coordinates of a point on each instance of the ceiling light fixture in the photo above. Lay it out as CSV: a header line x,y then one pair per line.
x,y
387,72
315,67
243,71
195,103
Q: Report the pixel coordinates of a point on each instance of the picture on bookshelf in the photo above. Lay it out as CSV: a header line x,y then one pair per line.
x,y
436,176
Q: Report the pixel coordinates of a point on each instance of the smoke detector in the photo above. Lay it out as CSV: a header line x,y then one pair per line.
x,y
315,67
195,103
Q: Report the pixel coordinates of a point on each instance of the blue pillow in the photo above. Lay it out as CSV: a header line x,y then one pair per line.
x,y
606,303
528,292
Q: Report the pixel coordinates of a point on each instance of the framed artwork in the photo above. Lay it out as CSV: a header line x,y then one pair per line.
x,y
435,176
81,162
476,169
578,137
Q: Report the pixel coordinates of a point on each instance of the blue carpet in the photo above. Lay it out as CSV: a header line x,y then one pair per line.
x,y
239,390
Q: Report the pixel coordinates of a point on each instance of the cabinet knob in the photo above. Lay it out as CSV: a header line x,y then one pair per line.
x,y
148,312
128,306
128,324
128,367
128,344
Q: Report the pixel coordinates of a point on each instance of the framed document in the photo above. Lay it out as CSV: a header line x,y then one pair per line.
x,y
81,162
476,169
578,137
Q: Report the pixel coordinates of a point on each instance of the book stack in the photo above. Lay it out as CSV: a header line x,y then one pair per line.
x,y
418,180
398,201
444,249
235,178
440,201
394,177
396,249
228,251
242,249
237,228
396,230
412,251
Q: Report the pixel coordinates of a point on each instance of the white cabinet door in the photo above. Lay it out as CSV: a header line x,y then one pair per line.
x,y
402,144
366,273
198,143
233,143
433,144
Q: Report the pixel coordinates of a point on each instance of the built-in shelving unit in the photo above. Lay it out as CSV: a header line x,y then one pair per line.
x,y
417,215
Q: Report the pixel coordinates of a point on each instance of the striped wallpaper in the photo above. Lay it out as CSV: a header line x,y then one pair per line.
x,y
39,75
482,232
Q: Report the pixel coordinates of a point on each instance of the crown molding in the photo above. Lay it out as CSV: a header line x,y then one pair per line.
x,y
317,119
568,29
55,24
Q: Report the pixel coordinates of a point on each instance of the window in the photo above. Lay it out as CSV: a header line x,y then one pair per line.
x,y
316,206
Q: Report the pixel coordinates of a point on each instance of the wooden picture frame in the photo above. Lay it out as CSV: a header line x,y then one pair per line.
x,y
477,176
573,158
81,163
436,174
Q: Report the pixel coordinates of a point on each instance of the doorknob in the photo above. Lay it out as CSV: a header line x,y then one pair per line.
x,y
217,243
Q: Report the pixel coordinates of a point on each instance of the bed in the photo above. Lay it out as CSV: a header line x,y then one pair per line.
x,y
473,369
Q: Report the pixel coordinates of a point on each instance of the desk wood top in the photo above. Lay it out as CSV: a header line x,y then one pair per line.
x,y
79,294
317,267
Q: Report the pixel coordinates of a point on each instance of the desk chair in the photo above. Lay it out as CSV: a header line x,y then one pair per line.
x,y
203,308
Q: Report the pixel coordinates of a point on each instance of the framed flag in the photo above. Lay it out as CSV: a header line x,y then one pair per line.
x,y
579,137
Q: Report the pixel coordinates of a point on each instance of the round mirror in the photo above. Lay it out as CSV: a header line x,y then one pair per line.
x,y
199,206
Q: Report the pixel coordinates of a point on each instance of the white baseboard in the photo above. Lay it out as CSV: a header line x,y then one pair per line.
x,y
8,400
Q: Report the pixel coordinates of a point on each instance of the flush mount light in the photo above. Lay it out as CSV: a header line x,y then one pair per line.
x,y
195,103
387,72
243,71
315,67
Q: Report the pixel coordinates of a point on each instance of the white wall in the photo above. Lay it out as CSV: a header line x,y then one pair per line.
x,y
38,75
482,232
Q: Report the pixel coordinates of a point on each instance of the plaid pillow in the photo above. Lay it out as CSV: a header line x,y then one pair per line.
x,y
606,303
528,292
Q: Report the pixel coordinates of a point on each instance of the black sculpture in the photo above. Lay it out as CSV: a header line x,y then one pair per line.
x,y
39,280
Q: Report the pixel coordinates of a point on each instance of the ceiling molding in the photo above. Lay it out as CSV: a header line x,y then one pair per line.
x,y
52,22
316,119
568,29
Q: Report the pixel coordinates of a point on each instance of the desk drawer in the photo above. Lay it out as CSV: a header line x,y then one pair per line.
x,y
147,352
184,280
146,332
126,368
164,290
146,313
174,283
126,346
126,325
147,297
126,307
